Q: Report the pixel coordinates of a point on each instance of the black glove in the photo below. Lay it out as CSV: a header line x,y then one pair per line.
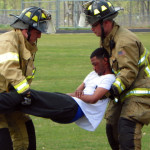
x,y
114,93
26,97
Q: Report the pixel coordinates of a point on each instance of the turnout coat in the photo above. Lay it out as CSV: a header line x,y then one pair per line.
x,y
16,73
130,61
16,61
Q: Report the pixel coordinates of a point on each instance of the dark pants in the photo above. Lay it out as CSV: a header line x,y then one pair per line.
x,y
124,132
58,107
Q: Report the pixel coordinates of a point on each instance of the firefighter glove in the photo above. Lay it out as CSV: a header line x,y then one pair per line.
x,y
114,91
26,97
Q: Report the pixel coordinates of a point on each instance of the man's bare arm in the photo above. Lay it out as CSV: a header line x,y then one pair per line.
x,y
79,91
98,94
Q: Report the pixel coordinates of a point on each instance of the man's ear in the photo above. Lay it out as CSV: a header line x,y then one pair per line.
x,y
105,59
24,32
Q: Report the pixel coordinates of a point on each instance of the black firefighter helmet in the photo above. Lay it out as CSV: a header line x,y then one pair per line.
x,y
98,11
34,17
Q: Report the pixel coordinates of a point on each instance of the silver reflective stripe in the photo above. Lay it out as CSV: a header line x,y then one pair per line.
x,y
9,56
22,86
120,86
31,77
147,70
116,72
143,57
137,92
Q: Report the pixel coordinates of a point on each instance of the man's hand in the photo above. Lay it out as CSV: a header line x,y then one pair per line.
x,y
79,93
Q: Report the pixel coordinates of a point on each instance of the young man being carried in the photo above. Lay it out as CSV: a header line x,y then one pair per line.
x,y
85,107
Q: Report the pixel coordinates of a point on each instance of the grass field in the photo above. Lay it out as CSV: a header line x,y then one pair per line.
x,y
62,63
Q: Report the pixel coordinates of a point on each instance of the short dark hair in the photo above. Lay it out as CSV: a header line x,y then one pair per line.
x,y
100,53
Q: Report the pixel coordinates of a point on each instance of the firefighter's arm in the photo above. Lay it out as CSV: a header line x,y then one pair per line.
x,y
10,68
127,59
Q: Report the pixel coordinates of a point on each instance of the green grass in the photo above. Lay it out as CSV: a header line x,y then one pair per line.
x,y
62,63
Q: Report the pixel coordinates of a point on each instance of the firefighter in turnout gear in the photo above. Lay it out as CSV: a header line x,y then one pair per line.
x,y
129,110
17,53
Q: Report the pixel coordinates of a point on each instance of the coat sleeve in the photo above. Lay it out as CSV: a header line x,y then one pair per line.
x,y
10,67
127,55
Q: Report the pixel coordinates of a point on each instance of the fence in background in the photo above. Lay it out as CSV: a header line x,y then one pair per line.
x,y
66,13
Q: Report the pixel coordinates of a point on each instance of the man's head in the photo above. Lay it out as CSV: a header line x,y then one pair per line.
x,y
32,36
33,18
100,61
98,13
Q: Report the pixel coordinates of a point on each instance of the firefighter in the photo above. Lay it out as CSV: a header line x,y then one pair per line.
x,y
129,111
17,52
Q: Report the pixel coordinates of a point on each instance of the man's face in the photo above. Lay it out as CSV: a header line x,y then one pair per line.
x,y
96,28
98,65
34,35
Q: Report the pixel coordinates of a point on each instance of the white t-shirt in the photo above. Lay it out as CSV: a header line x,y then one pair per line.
x,y
94,112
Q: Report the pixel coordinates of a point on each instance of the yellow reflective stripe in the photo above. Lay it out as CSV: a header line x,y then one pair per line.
x,y
116,72
137,92
30,77
147,71
33,72
120,86
96,11
109,4
103,8
9,56
90,7
143,58
35,18
22,86
43,15
28,14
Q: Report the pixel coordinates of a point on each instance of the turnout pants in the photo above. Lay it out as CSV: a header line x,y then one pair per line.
x,y
16,132
58,107
124,122
16,128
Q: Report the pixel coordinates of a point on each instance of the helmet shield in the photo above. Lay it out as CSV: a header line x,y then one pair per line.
x,y
45,26
83,20
86,20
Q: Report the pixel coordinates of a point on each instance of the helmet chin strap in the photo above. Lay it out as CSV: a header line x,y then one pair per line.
x,y
29,33
102,32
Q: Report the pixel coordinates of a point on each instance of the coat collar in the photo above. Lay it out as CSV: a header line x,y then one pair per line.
x,y
25,47
110,37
